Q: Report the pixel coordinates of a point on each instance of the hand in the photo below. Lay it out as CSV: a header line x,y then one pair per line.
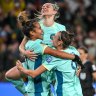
x,y
19,65
31,55
78,61
78,71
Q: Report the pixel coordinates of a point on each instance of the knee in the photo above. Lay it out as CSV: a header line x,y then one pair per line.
x,y
7,74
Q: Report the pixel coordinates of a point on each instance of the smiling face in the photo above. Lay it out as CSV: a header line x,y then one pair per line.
x,y
47,9
33,31
37,32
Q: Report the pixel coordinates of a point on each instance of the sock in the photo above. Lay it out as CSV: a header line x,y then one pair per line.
x,y
19,85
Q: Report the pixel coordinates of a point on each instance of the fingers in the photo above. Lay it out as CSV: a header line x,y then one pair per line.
x,y
19,65
33,58
31,55
78,71
30,52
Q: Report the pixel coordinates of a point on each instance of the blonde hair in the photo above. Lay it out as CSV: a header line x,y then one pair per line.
x,y
23,16
55,7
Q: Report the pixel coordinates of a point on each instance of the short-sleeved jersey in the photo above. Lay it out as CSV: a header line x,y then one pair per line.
x,y
36,46
38,84
47,39
51,31
67,82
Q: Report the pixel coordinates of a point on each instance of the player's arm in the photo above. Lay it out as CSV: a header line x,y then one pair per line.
x,y
63,55
28,53
22,45
58,53
32,73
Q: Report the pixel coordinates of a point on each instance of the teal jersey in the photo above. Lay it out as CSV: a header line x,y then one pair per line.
x,y
51,31
67,82
38,84
47,77
36,46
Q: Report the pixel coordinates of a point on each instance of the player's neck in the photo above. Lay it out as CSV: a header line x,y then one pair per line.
x,y
32,38
48,21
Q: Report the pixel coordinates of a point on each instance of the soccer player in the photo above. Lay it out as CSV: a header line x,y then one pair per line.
x,y
67,82
49,28
35,34
48,14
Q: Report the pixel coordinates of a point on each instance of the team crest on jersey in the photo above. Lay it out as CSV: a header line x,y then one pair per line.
x,y
48,59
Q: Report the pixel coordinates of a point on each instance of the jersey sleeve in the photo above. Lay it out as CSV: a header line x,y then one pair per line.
x,y
38,48
51,62
61,27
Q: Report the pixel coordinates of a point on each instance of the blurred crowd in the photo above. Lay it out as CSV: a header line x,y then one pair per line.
x,y
81,14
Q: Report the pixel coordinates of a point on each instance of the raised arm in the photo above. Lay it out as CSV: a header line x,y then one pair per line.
x,y
28,53
21,47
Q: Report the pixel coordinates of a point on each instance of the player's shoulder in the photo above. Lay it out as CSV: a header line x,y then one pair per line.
x,y
60,26
38,40
72,50
31,42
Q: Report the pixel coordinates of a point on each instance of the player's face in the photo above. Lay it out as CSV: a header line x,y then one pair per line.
x,y
56,40
37,32
47,9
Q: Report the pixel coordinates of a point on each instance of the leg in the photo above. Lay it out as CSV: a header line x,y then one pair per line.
x,y
13,73
14,76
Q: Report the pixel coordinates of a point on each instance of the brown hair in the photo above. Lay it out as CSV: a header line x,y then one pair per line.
x,y
84,49
67,38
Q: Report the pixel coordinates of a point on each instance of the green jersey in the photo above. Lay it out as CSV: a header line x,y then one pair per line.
x,y
36,84
67,82
51,31
46,77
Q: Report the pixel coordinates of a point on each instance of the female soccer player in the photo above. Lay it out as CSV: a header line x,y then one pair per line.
x,y
67,82
49,27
